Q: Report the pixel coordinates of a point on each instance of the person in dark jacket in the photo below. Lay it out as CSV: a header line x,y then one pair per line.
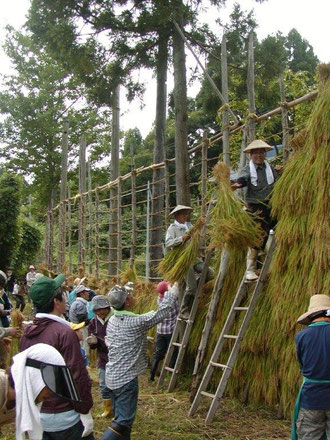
x,y
258,176
61,419
97,331
312,411
5,305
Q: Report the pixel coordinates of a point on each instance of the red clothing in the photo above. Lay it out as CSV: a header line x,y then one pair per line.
x,y
63,338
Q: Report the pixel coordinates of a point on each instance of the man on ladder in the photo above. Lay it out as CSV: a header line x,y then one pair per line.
x,y
259,178
176,234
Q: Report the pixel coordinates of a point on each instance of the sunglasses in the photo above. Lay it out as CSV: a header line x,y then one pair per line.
x,y
57,378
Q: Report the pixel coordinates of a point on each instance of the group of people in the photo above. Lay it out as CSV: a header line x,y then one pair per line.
x,y
51,343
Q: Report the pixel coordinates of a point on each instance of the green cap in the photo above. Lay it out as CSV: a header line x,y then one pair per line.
x,y
43,288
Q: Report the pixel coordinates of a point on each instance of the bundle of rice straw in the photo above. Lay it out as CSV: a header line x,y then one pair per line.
x,y
16,320
178,260
231,224
129,275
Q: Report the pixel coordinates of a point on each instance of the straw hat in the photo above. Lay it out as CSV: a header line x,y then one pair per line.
x,y
317,303
180,208
256,145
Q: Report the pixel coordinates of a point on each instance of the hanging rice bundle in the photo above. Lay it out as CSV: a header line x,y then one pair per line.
x,y
129,275
300,201
178,260
231,224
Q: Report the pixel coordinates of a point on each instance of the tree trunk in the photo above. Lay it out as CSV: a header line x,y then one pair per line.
x,y
158,183
181,113
113,242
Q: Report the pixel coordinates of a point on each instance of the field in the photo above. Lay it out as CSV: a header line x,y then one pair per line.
x,y
163,416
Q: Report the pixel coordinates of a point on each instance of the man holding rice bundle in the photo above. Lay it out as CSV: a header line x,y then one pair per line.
x,y
177,234
259,178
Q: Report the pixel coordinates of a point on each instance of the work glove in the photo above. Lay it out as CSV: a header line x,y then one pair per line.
x,y
174,289
91,339
87,421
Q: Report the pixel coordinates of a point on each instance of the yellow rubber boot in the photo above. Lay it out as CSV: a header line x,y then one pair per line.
x,y
107,408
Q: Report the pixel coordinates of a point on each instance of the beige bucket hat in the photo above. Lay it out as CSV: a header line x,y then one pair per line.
x,y
179,208
256,144
317,303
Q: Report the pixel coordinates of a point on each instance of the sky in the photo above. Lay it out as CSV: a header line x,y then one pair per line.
x,y
311,19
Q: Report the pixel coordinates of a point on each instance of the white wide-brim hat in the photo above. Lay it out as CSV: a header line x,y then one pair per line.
x,y
317,303
179,208
256,145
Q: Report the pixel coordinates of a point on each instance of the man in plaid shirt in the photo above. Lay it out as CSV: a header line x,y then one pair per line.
x,y
127,343
164,332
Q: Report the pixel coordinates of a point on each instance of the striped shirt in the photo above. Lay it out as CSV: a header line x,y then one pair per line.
x,y
167,325
127,342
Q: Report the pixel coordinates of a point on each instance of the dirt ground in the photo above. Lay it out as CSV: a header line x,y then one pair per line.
x,y
163,416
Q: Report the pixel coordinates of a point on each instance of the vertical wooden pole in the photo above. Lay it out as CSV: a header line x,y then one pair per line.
x,y
119,231
250,90
225,114
205,144
51,230
113,242
285,120
62,208
148,234
133,182
90,218
167,192
97,222
82,189
69,230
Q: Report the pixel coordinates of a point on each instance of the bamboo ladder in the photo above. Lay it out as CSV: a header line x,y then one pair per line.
x,y
235,310
183,327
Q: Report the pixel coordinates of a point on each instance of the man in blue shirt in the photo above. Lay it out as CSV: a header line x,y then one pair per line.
x,y
312,412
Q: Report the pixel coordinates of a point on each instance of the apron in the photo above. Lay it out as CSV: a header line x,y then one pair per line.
x,y
294,435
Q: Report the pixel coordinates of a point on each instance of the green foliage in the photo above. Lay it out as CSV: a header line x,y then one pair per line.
x,y
10,202
30,244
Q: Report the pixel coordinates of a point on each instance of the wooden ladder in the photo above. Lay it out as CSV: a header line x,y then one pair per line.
x,y
181,334
235,310
183,327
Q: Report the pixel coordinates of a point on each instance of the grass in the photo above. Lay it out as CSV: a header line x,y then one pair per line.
x,y
163,416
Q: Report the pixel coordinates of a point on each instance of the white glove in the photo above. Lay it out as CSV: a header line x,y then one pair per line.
x,y
87,421
92,339
174,289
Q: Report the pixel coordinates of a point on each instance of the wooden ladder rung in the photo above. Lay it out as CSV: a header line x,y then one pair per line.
x,y
169,369
230,336
241,308
216,364
177,344
210,395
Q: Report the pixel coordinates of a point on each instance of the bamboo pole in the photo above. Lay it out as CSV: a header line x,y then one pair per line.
x,y
285,120
119,229
133,183
225,115
97,241
218,136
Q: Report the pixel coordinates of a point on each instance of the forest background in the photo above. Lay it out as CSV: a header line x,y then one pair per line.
x,y
74,78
